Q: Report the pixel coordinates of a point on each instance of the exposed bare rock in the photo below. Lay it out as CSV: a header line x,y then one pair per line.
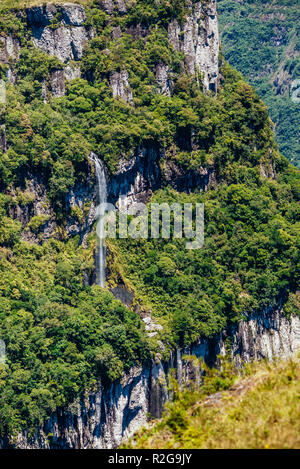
x,y
198,38
72,72
9,53
41,15
119,81
9,48
57,83
134,182
267,170
267,335
183,180
44,91
162,79
121,5
2,138
174,31
116,32
80,197
69,13
151,326
282,82
138,31
37,205
263,335
122,293
136,179
11,75
73,15
94,421
66,42
110,5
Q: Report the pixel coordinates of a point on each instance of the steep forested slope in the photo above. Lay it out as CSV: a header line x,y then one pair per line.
x,y
62,332
261,39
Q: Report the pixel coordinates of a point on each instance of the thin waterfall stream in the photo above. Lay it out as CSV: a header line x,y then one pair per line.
x,y
102,199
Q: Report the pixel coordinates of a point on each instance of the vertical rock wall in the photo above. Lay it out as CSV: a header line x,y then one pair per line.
x,y
106,417
198,39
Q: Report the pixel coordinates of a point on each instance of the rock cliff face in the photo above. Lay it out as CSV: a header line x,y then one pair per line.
x,y
162,79
198,39
133,182
61,32
106,417
9,52
67,41
110,5
10,48
119,82
2,138
82,199
135,179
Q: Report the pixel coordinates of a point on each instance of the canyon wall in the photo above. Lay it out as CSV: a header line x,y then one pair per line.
x,y
107,416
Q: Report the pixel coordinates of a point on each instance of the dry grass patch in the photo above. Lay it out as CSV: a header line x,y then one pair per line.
x,y
261,410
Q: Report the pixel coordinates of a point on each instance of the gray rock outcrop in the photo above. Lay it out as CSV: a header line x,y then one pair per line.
x,y
110,5
163,79
198,39
9,48
133,182
9,53
66,39
60,31
119,82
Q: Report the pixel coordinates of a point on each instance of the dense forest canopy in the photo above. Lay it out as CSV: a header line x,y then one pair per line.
x,y
261,38
62,334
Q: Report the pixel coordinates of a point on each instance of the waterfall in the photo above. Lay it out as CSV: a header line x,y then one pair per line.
x,y
102,199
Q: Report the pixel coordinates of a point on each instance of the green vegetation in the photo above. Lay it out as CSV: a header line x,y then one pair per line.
x,y
261,39
61,335
251,252
18,4
261,411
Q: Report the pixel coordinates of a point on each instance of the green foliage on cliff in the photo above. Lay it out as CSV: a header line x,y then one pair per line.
x,y
250,257
251,253
261,39
61,335
261,411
